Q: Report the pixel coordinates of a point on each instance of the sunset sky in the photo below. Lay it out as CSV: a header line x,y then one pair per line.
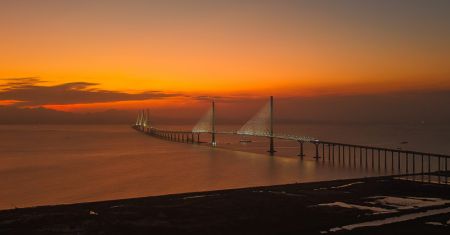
x,y
95,55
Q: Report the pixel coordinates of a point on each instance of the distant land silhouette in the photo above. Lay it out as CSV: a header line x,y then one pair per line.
x,y
405,107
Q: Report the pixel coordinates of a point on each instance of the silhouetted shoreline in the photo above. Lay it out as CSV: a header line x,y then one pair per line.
x,y
282,209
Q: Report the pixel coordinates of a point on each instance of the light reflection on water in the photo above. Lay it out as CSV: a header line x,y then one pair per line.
x,y
42,165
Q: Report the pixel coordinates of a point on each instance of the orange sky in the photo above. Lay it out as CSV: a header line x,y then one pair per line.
x,y
285,48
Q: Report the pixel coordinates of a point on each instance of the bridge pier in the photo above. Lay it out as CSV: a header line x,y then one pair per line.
x,y
323,152
373,158
339,154
317,150
213,125
329,153
301,154
271,146
367,158
407,161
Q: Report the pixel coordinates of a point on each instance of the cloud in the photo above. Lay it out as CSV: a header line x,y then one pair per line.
x,y
19,82
29,92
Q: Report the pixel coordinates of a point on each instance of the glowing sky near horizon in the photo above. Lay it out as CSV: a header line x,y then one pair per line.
x,y
285,48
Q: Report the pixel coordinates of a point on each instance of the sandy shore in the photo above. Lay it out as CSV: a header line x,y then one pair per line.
x,y
360,206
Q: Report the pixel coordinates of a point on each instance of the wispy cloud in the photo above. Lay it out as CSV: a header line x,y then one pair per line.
x,y
29,91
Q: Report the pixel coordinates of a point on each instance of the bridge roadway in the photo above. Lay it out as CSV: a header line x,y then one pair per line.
x,y
285,137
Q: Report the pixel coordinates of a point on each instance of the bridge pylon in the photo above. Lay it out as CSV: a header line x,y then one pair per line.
x,y
271,145
207,124
213,125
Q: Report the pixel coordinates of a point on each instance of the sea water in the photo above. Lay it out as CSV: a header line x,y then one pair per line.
x,y
58,164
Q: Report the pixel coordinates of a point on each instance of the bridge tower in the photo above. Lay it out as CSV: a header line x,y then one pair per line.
x,y
147,119
213,123
207,124
138,119
271,147
144,119
141,119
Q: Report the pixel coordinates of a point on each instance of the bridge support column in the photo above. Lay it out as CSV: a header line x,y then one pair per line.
x,y
317,151
198,138
213,126
301,154
271,146
323,152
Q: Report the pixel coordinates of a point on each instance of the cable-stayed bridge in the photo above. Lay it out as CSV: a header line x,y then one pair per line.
x,y
262,125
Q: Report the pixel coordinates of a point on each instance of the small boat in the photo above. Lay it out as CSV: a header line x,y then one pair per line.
x,y
245,141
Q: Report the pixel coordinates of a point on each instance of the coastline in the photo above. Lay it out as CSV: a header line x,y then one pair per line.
x,y
328,207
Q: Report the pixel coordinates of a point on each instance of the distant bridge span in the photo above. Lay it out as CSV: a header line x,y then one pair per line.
x,y
261,125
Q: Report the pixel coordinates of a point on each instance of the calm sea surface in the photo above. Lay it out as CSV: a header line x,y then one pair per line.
x,y
45,164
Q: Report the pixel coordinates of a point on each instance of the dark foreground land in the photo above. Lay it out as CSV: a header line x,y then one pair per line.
x,y
284,209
